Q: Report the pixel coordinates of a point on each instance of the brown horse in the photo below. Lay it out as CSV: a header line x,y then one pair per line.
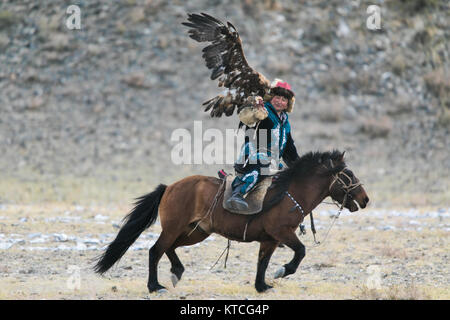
x,y
191,209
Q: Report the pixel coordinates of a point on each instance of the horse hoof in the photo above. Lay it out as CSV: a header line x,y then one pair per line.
x,y
280,273
263,288
174,279
156,288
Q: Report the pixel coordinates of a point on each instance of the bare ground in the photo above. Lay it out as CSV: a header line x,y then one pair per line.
x,y
47,252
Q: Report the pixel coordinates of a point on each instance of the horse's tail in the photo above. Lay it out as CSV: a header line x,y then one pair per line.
x,y
140,218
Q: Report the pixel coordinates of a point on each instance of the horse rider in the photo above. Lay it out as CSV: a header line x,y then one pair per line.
x,y
267,140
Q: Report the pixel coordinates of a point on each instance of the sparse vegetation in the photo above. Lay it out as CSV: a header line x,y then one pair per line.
x,y
393,252
7,19
438,83
415,6
394,292
399,64
337,270
376,128
335,80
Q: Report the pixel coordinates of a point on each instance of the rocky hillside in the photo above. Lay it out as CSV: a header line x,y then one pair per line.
x,y
105,99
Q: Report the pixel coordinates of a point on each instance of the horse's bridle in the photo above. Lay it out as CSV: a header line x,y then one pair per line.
x,y
347,188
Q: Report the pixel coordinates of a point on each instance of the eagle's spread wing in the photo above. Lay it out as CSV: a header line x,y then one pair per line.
x,y
224,55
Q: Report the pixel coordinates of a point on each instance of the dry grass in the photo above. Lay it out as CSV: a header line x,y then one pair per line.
x,y
109,187
395,292
393,252
402,104
399,64
341,79
123,187
438,83
7,19
330,110
336,80
414,6
376,128
411,264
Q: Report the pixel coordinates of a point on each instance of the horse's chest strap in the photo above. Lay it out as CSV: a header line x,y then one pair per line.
x,y
296,205
299,208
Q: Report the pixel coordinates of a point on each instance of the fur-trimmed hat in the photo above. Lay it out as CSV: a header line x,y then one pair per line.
x,y
280,88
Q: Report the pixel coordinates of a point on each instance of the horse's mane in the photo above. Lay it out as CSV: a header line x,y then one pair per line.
x,y
305,167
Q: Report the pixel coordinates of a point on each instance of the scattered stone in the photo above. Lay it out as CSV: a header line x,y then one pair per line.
x,y
60,237
34,235
59,42
136,80
80,246
91,241
36,102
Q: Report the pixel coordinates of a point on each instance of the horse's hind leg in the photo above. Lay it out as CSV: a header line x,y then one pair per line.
x,y
177,268
186,239
164,242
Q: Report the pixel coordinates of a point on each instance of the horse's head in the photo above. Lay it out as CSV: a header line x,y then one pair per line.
x,y
346,189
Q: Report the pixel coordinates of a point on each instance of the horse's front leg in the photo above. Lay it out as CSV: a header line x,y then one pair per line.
x,y
289,238
266,249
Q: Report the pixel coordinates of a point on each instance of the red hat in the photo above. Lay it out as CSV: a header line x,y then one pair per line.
x,y
283,85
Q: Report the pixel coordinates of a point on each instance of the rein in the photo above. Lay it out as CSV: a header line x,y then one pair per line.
x,y
347,189
336,178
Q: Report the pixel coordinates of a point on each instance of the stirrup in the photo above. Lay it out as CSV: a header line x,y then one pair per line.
x,y
237,203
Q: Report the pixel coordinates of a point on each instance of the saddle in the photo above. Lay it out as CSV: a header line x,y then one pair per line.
x,y
254,197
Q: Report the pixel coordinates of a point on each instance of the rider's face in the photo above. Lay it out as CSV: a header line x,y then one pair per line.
x,y
279,103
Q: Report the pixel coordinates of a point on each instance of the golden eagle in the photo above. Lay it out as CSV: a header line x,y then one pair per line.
x,y
225,57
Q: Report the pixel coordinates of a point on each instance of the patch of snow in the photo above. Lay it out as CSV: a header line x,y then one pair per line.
x,y
100,217
60,237
5,245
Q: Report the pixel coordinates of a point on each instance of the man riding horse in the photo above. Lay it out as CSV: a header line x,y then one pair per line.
x,y
271,141
181,206
262,106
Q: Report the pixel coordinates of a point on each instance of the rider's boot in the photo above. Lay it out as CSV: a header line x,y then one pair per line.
x,y
236,201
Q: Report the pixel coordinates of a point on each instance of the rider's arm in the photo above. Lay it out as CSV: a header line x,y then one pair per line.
x,y
253,113
290,154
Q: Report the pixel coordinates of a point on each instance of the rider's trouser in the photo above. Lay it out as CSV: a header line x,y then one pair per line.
x,y
247,177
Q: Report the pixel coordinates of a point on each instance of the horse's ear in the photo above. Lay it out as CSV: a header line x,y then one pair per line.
x,y
331,163
342,156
